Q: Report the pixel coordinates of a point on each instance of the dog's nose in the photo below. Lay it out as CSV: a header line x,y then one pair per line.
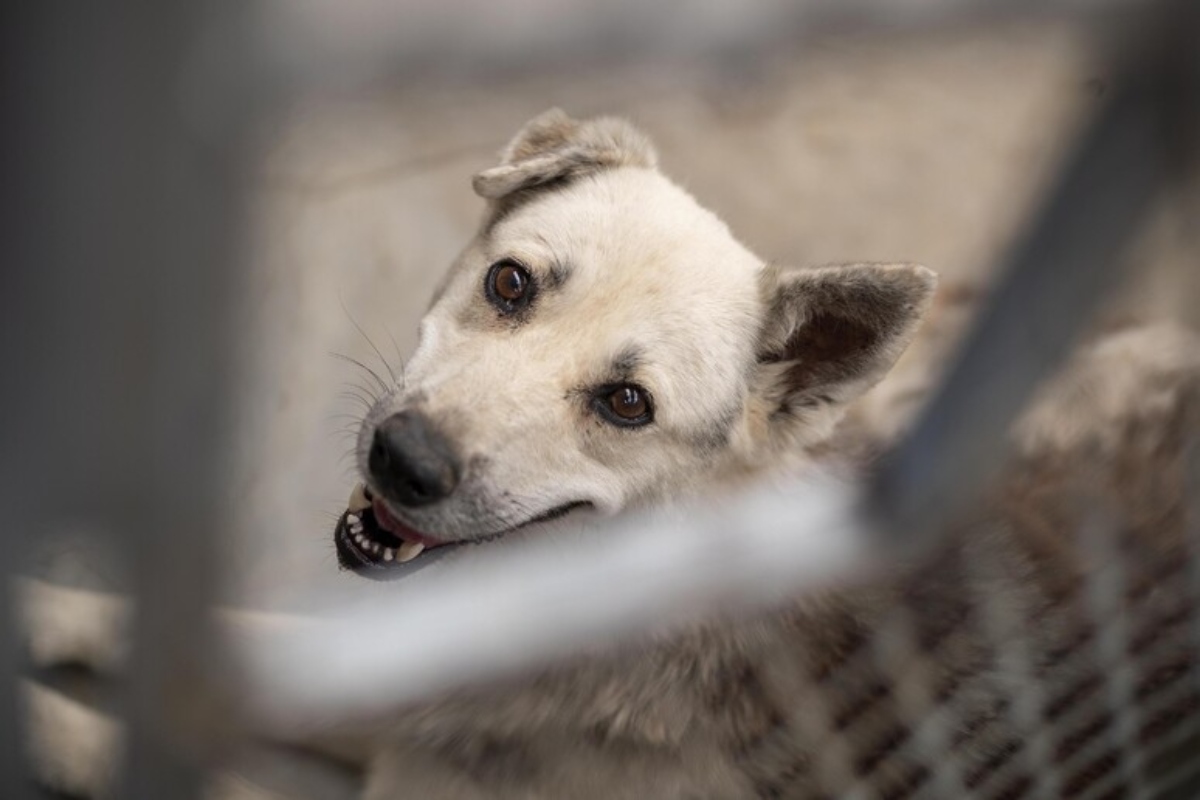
x,y
412,461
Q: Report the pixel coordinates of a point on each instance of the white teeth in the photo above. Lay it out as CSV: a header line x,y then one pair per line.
x,y
389,554
358,537
356,525
408,551
375,548
358,499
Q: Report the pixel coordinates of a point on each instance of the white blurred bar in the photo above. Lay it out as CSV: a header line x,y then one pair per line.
x,y
526,605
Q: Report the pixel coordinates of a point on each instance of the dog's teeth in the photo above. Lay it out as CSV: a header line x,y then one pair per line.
x,y
389,554
356,525
358,499
358,537
375,548
409,550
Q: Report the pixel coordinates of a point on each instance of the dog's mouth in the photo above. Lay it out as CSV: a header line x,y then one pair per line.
x,y
374,543
370,538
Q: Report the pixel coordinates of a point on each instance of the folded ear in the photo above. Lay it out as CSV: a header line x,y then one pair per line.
x,y
553,147
833,332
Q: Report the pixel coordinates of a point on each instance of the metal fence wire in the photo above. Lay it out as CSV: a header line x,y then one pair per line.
x,y
137,284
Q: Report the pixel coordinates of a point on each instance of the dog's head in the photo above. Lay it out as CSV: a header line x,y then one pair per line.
x,y
604,341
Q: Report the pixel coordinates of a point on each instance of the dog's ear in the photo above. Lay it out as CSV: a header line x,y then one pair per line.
x,y
552,147
833,332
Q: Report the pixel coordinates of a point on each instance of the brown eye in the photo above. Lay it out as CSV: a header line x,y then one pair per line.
x,y
510,283
509,286
627,405
628,402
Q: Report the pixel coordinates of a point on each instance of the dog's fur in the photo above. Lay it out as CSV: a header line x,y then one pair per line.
x,y
751,367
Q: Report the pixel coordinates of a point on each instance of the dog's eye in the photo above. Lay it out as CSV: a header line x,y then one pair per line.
x,y
509,286
626,404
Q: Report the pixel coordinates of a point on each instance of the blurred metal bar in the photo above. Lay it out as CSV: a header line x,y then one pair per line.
x,y
1004,626
25,76
351,41
932,722
1181,784
1083,716
1105,589
194,84
833,764
1168,781
1055,277
1191,493
116,310
532,603
12,782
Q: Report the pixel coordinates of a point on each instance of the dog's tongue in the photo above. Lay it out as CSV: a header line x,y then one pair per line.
x,y
394,526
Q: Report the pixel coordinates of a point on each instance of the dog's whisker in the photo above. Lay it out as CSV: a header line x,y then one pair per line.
x,y
399,358
356,396
383,385
344,436
327,516
367,389
363,333
358,400
349,419
359,387
365,399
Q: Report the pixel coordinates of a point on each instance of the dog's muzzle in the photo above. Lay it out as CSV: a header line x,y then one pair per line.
x,y
373,543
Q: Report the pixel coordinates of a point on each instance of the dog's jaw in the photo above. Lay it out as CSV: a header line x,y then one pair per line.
x,y
373,543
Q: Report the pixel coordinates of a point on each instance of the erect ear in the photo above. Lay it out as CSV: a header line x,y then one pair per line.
x,y
552,147
833,332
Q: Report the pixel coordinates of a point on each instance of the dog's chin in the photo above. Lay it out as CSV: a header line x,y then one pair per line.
x,y
372,543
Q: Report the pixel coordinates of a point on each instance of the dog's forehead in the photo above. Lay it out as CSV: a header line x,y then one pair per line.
x,y
629,231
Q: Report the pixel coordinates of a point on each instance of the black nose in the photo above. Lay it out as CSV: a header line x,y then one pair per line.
x,y
412,461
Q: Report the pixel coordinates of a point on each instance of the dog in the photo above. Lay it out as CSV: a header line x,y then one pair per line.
x,y
605,343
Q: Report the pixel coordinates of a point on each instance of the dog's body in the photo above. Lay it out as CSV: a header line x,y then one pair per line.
x,y
605,342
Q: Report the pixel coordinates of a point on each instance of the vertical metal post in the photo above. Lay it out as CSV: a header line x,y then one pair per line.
x,y
197,120
1055,277
26,245
121,206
